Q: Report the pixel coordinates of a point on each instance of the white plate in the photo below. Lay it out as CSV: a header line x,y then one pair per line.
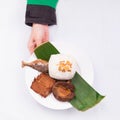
x,y
86,71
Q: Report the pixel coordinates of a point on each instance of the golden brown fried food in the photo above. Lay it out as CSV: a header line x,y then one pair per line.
x,y
43,84
38,64
63,91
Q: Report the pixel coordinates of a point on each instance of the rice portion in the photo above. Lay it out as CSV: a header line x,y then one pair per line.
x,y
62,67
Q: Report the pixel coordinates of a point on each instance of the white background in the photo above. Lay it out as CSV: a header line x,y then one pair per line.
x,y
94,25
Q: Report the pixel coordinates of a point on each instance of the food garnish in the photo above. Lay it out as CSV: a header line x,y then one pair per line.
x,y
65,66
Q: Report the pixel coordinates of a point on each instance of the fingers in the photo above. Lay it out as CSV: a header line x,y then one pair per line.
x,y
46,36
31,47
39,41
39,35
43,38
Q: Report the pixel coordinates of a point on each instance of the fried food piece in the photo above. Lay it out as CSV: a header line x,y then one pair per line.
x,y
63,91
43,84
38,64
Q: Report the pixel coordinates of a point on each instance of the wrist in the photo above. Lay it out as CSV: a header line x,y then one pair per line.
x,y
38,25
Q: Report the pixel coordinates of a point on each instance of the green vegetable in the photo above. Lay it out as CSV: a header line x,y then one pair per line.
x,y
85,96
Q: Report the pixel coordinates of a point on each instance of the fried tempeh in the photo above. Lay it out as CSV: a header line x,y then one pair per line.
x,y
43,84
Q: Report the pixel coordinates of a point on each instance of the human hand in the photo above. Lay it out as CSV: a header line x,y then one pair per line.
x,y
39,35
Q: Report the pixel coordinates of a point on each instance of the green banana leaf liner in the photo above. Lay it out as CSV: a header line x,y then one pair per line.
x,y
85,95
45,50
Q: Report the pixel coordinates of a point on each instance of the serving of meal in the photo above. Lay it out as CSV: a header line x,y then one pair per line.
x,y
58,75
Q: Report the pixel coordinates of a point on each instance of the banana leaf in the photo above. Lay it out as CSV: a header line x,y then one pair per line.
x,y
45,50
85,95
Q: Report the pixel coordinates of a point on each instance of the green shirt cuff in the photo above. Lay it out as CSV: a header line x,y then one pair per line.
x,y
51,3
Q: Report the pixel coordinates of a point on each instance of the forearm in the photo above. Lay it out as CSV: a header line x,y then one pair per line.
x,y
41,12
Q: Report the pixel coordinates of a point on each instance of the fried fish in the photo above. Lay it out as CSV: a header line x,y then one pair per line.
x,y
38,64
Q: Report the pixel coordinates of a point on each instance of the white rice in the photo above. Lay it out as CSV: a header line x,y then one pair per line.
x,y
54,64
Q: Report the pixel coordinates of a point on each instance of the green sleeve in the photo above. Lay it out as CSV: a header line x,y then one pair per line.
x,y
41,12
51,3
